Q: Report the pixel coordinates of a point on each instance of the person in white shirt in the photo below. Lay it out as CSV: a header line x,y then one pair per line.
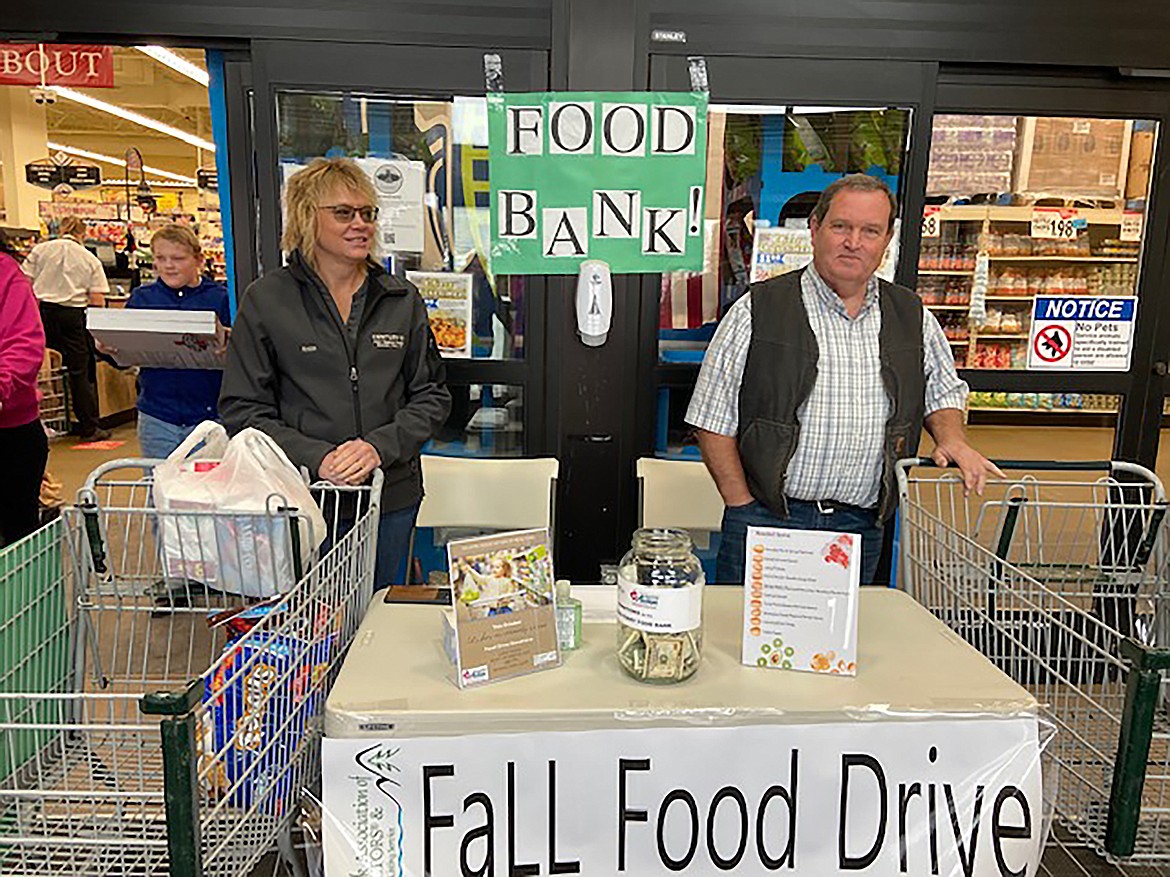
x,y
66,278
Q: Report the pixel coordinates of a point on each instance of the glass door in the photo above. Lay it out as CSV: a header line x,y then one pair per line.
x,y
1037,194
779,132
420,131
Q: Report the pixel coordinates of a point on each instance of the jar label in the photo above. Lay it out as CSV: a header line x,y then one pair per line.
x,y
658,609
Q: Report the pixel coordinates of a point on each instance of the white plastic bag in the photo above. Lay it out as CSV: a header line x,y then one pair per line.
x,y
250,553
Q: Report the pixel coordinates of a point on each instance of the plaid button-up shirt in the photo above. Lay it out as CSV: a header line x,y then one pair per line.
x,y
839,454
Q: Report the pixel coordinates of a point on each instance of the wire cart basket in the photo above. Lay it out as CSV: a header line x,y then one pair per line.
x,y
53,387
147,724
1058,575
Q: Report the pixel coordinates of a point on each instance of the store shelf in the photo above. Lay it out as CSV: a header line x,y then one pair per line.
x,y
1008,410
1026,299
959,342
965,307
1015,337
948,272
1079,259
998,213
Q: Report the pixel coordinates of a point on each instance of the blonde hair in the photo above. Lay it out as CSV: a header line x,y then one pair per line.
x,y
304,192
72,225
180,235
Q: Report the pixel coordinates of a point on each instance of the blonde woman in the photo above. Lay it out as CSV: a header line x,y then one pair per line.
x,y
334,358
173,401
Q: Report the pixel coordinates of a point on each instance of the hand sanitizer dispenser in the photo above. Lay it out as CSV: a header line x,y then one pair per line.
x,y
594,302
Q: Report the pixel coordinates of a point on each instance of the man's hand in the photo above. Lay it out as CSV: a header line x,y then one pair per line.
x,y
721,455
222,346
973,466
350,463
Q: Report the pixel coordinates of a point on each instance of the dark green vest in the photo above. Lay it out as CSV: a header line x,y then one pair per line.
x,y
780,372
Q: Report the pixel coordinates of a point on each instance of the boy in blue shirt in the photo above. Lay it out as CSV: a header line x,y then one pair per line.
x,y
172,401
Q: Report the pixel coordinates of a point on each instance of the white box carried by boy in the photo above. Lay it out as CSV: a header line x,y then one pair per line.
x,y
159,338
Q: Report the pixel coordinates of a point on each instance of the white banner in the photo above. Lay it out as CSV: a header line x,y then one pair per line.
x,y
957,797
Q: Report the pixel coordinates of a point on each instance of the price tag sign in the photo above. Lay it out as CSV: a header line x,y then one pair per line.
x,y
1131,225
931,222
1055,224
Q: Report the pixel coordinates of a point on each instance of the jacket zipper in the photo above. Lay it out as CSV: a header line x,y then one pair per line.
x,y
350,352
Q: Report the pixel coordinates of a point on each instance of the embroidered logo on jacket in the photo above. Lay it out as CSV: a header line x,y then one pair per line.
x,y
308,348
384,341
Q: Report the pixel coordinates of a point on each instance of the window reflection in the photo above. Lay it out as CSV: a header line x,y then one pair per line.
x,y
429,162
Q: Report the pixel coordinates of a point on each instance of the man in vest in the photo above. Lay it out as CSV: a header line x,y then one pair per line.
x,y
818,381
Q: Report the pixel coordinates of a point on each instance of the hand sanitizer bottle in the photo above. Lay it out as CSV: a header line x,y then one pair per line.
x,y
568,617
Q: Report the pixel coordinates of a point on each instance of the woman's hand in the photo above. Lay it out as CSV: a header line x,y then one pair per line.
x,y
350,463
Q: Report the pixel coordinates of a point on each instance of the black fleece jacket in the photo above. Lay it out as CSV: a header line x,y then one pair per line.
x,y
293,372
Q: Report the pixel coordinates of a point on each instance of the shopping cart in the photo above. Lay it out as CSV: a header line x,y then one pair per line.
x,y
1058,574
54,392
136,737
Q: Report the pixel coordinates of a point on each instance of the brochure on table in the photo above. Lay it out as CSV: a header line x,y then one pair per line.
x,y
800,600
159,338
505,609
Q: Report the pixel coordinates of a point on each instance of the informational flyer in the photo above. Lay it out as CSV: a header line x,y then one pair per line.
x,y
1082,333
800,597
448,301
505,608
401,186
777,251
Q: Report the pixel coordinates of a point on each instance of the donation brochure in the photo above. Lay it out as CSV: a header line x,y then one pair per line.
x,y
505,607
800,599
159,338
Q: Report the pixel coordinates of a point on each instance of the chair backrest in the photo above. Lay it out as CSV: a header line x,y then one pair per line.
x,y
503,494
52,362
679,494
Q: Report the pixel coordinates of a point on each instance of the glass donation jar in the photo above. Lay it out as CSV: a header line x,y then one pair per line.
x,y
660,607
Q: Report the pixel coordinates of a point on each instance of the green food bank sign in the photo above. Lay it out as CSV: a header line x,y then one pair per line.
x,y
611,176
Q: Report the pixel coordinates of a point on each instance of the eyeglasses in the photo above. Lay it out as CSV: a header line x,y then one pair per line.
x,y
346,212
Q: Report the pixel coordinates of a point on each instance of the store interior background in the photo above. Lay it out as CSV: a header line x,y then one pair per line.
x,y
167,85
35,131
773,70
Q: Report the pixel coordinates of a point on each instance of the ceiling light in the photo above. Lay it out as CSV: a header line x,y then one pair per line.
x,y
131,116
176,63
120,162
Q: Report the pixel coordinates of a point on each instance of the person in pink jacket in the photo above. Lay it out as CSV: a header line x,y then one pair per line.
x,y
24,447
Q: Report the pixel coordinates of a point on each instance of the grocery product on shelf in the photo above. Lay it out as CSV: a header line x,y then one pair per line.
x,y
1098,403
971,153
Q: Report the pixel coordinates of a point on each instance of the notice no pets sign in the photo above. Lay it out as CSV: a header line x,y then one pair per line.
x,y
1082,333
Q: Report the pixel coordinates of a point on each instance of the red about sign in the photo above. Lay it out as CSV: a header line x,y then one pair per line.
x,y
59,63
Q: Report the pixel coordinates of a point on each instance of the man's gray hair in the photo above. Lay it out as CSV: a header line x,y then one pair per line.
x,y
854,183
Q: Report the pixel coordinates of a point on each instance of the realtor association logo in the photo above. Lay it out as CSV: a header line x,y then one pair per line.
x,y
375,844
476,674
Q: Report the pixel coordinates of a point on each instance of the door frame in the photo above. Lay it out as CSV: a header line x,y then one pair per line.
x,y
411,73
